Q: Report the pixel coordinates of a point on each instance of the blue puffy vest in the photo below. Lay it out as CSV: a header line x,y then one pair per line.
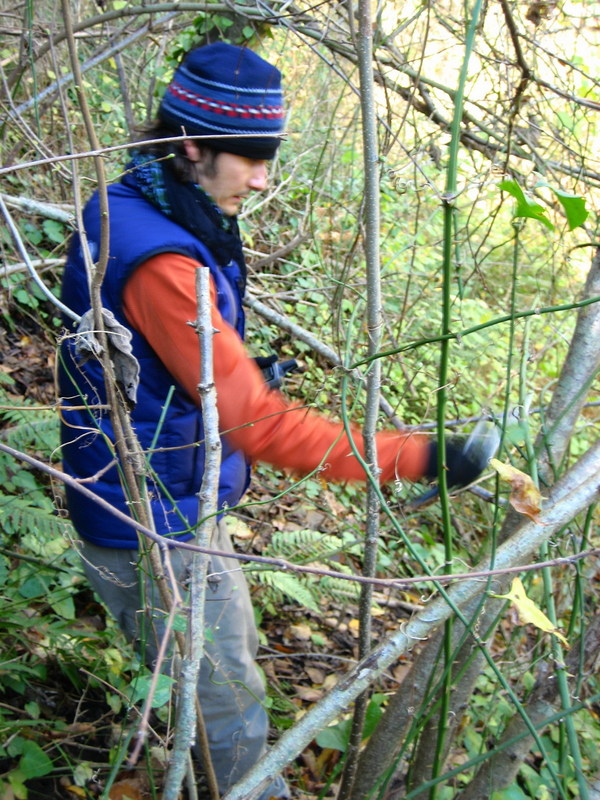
x,y
175,449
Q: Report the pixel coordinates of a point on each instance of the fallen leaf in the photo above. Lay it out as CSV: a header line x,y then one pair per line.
x,y
527,610
524,497
238,528
330,681
315,674
400,672
282,648
302,632
338,508
308,693
76,790
354,627
126,790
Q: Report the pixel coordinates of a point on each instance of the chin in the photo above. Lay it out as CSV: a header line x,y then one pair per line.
x,y
225,205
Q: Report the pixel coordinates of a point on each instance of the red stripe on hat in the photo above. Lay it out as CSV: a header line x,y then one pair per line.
x,y
219,107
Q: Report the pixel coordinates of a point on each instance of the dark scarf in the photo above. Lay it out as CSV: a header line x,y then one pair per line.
x,y
189,206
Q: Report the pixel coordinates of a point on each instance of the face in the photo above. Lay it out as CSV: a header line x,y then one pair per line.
x,y
228,179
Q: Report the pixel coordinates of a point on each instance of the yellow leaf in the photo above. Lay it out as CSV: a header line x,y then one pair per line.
x,y
528,612
524,497
238,528
330,680
76,790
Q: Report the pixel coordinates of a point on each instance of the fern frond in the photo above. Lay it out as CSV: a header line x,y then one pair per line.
x,y
20,517
292,586
27,425
41,433
339,589
309,547
306,545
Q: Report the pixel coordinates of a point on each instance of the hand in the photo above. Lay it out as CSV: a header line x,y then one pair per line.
x,y
461,468
274,371
465,458
264,362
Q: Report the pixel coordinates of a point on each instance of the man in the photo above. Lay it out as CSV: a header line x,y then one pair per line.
x,y
172,213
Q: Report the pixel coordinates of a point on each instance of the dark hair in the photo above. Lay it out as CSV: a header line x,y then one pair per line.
x,y
153,136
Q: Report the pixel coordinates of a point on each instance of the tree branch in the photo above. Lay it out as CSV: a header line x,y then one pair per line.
x,y
569,497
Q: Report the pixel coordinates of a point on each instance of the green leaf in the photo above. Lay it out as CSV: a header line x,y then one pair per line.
x,y
33,233
512,793
16,778
113,658
83,773
162,693
335,737
63,606
115,702
54,230
33,709
33,587
34,762
534,783
516,433
15,747
180,622
526,207
528,680
25,480
566,120
373,714
573,206
4,569
25,298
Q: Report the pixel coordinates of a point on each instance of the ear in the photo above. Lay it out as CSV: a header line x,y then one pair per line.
x,y
192,150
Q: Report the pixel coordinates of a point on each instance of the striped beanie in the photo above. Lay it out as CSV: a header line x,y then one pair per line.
x,y
222,90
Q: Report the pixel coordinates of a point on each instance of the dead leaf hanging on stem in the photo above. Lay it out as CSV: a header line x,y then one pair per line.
x,y
525,497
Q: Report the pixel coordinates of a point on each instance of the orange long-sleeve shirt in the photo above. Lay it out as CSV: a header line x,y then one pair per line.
x,y
160,299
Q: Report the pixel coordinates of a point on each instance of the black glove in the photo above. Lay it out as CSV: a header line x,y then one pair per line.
x,y
273,370
461,467
264,362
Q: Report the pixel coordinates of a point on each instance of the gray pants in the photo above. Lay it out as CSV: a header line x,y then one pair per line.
x,y
230,689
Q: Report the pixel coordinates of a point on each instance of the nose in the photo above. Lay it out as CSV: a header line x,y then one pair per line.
x,y
259,176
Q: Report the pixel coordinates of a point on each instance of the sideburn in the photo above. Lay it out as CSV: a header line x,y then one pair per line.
x,y
207,166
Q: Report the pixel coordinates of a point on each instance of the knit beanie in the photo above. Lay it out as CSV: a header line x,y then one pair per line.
x,y
222,90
